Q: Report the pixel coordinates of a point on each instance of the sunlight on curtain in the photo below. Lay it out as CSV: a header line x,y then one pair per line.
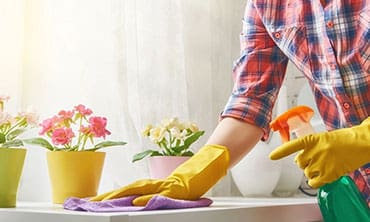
x,y
134,61
11,53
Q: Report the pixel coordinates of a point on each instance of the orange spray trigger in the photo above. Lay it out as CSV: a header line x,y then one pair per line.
x,y
297,118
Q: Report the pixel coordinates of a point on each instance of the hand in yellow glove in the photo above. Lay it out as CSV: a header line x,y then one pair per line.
x,y
189,181
327,156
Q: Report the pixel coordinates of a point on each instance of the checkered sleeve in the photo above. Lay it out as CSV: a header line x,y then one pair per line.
x,y
258,74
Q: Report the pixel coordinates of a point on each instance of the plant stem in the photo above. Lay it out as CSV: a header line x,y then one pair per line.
x,y
79,133
163,145
15,125
170,138
83,144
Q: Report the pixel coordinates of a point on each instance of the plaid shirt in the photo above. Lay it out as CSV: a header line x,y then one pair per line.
x,y
328,43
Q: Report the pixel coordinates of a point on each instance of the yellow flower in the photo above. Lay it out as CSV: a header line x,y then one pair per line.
x,y
157,134
172,137
181,126
170,123
177,133
146,131
3,98
193,127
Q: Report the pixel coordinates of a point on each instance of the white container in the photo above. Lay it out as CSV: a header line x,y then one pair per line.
x,y
256,175
290,177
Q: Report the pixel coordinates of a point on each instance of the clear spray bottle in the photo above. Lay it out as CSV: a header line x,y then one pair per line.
x,y
339,201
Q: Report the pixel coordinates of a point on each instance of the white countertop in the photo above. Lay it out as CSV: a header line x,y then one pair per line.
x,y
228,209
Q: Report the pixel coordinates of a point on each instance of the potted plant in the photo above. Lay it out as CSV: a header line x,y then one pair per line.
x,y
12,152
74,163
173,140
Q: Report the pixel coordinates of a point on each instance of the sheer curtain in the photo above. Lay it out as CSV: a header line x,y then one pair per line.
x,y
133,61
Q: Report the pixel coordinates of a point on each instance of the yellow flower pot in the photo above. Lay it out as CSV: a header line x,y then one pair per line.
x,y
11,165
74,174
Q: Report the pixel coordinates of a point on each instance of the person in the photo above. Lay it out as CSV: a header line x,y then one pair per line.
x,y
328,41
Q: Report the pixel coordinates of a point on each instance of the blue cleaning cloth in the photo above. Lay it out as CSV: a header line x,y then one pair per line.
x,y
125,204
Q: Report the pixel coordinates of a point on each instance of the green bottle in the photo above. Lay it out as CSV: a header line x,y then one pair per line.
x,y
341,201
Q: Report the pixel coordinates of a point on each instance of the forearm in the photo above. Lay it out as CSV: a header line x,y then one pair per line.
x,y
238,136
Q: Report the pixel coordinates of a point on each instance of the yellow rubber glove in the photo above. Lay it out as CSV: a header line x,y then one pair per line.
x,y
327,156
189,181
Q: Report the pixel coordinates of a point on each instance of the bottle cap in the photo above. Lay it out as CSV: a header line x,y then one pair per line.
x,y
281,123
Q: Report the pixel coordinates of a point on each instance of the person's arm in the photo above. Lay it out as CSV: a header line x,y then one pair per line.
x,y
238,136
258,75
231,140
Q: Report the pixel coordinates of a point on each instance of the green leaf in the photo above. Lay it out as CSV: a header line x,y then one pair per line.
x,y
2,138
13,143
191,139
156,153
176,151
107,144
170,152
40,142
77,116
187,143
13,134
187,153
146,153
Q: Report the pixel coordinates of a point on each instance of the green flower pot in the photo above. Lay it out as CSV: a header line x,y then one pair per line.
x,y
11,165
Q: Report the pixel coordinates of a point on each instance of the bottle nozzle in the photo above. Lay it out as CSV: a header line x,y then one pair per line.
x,y
296,120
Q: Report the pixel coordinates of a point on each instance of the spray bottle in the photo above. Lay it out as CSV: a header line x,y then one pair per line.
x,y
339,201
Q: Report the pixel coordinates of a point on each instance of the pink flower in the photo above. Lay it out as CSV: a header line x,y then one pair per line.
x,y
65,118
48,125
83,110
62,136
65,115
4,98
97,126
5,118
85,130
73,131
31,117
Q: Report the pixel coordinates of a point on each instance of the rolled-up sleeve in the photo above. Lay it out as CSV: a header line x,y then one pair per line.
x,y
258,74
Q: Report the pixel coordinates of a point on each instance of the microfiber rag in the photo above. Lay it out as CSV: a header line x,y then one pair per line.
x,y
125,204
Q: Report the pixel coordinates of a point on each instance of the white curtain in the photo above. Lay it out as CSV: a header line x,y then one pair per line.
x,y
133,61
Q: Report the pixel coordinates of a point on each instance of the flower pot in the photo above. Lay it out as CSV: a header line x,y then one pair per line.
x,y
161,167
74,174
11,165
